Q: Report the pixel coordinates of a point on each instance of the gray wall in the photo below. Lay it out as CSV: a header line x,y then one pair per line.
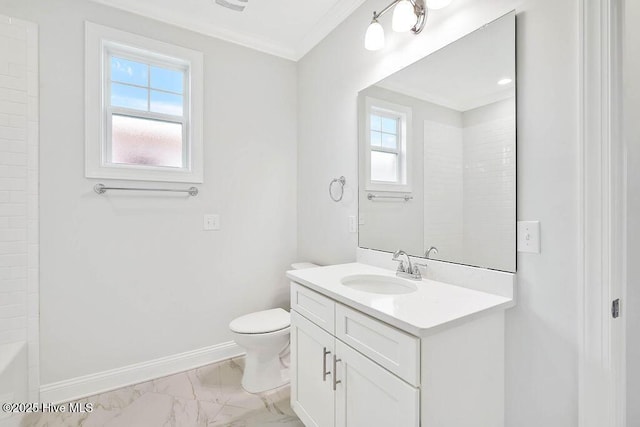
x,y
632,135
542,331
129,278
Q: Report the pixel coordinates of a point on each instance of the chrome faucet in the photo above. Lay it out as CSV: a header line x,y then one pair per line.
x,y
407,269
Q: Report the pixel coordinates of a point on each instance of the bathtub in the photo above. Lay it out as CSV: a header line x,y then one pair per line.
x,y
13,379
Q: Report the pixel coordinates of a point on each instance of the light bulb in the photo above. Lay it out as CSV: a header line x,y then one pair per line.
x,y
437,4
404,17
374,38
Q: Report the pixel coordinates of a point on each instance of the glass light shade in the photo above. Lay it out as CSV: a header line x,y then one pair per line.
x,y
404,17
438,4
374,38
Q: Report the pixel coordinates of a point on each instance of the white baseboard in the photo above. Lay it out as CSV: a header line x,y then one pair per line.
x,y
88,385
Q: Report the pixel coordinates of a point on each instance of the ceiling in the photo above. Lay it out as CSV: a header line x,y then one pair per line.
x,y
286,28
463,75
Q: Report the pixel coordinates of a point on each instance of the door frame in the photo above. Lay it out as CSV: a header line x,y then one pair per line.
x,y
602,215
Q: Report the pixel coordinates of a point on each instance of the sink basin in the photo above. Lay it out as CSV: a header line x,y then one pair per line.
x,y
378,284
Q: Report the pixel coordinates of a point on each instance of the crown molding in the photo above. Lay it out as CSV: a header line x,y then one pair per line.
x,y
500,95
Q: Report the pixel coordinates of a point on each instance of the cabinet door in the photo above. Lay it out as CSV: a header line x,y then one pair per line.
x,y
312,351
369,395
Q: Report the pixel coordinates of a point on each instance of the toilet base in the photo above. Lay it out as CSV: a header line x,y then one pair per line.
x,y
263,375
262,367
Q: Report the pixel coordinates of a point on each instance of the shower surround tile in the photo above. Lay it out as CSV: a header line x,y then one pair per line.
x,y
19,189
203,397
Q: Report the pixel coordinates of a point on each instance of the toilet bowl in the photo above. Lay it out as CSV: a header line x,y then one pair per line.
x,y
264,335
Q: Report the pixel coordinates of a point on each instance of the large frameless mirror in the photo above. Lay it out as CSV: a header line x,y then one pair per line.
x,y
437,154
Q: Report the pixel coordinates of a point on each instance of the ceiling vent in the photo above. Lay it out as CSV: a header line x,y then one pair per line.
x,y
235,5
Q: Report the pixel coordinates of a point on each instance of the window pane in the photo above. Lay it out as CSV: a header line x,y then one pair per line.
x,y
376,122
137,141
376,139
125,71
389,141
389,125
166,103
164,79
129,96
384,166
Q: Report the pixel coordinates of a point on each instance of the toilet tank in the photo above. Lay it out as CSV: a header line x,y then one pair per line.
x,y
303,265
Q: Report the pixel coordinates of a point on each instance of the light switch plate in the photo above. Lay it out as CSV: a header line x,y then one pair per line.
x,y
211,222
353,224
529,236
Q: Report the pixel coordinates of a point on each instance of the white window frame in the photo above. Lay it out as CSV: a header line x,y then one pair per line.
x,y
404,114
100,44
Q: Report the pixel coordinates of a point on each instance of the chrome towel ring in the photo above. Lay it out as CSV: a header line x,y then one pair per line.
x,y
342,181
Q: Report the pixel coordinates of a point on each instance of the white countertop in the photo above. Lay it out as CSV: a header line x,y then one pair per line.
x,y
433,306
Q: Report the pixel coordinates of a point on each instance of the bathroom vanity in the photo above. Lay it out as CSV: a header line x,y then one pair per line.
x,y
366,352
437,175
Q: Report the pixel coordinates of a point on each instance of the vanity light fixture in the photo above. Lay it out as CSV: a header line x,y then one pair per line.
x,y
404,17
374,39
504,81
408,15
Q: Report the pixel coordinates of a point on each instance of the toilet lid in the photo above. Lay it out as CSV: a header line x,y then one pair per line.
x,y
261,322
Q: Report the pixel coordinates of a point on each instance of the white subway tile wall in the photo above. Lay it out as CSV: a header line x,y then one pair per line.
x,y
470,185
19,248
443,189
489,194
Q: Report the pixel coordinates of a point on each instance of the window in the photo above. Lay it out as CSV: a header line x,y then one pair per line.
x,y
146,112
144,108
387,146
385,149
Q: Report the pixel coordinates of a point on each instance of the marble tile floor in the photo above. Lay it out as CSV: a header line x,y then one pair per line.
x,y
204,397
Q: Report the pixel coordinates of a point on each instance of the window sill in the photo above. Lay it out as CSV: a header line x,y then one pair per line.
x,y
145,174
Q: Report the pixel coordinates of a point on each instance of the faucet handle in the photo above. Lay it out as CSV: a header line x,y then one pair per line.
x,y
416,266
401,266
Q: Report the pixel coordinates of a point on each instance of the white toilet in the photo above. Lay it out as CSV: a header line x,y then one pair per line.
x,y
264,335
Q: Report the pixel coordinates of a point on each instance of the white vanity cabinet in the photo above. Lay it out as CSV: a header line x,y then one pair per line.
x,y
369,395
334,384
312,396
351,369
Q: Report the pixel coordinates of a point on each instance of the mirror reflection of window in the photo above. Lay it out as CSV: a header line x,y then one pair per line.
x,y
385,150
387,145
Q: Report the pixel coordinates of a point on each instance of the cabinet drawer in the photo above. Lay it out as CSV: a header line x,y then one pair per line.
x,y
315,307
391,348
